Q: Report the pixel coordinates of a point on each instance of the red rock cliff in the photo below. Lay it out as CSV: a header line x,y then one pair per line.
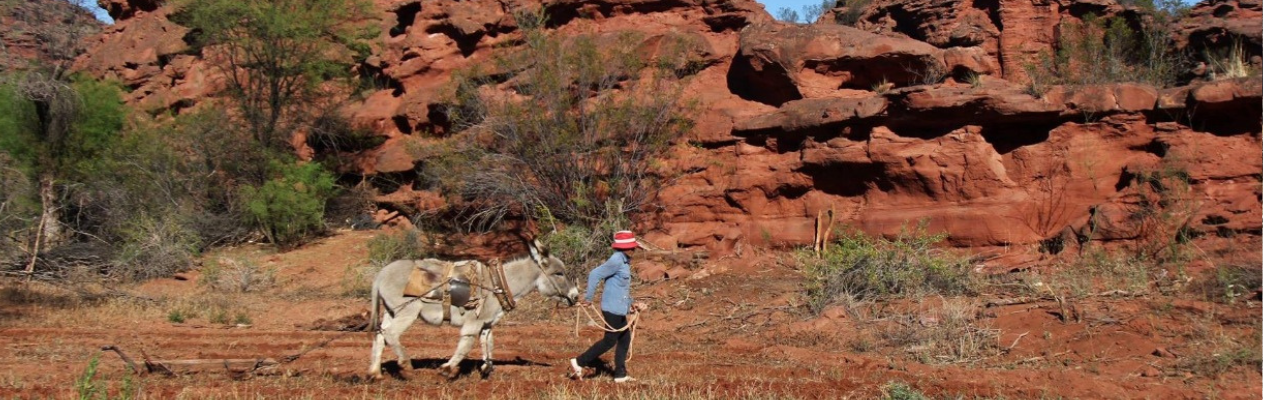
x,y
796,119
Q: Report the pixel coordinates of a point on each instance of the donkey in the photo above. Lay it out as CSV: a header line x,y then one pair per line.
x,y
540,271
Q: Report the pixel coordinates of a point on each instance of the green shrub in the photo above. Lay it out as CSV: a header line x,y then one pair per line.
x,y
88,387
863,267
290,207
177,316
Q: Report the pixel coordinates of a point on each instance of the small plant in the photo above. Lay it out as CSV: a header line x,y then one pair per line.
x,y
883,86
974,79
901,391
1227,283
930,74
86,385
241,318
89,388
218,315
176,316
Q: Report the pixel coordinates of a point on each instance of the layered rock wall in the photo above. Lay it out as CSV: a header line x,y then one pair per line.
x,y
793,120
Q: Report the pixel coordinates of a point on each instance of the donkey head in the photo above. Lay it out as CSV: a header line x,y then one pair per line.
x,y
552,282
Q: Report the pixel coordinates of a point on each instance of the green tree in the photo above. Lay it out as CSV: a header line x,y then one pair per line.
x,y
277,54
53,129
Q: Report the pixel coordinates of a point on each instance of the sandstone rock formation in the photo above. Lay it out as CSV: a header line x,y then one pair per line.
x,y
794,119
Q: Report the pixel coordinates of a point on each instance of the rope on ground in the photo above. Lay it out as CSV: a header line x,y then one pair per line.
x,y
633,320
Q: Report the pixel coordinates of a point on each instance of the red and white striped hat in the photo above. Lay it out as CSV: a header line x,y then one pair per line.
x,y
625,240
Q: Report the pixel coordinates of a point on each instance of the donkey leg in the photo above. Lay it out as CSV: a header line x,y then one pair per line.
x,y
375,361
488,343
451,368
379,345
402,321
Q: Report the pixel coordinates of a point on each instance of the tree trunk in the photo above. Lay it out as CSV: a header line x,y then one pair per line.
x,y
49,230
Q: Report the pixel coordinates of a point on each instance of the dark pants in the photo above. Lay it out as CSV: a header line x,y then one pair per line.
x,y
621,338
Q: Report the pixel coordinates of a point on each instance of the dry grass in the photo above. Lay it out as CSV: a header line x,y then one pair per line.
x,y
1213,349
948,331
237,275
1231,62
1095,273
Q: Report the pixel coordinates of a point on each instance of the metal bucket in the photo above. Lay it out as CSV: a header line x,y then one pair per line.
x,y
458,289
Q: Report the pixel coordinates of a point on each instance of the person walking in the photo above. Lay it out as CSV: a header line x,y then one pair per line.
x,y
616,305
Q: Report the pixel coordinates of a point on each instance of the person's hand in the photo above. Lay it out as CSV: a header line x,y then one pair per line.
x,y
639,306
583,303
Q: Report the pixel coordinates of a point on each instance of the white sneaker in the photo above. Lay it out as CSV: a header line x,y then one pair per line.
x,y
625,379
575,370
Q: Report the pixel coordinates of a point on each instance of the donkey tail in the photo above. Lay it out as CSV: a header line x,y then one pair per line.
x,y
374,304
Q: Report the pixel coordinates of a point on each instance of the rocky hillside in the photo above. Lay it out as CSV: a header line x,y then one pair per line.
x,y
922,111
43,31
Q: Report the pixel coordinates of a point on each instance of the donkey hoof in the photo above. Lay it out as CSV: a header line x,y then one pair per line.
x,y
486,370
404,365
448,371
375,376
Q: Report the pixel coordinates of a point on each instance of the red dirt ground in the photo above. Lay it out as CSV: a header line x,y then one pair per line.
x,y
733,333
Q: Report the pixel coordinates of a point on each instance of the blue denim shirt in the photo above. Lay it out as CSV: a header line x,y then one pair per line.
x,y
616,272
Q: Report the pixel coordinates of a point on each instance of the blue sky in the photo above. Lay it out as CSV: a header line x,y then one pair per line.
x,y
797,5
99,12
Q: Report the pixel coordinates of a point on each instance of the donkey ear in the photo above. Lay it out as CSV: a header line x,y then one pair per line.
x,y
536,253
543,250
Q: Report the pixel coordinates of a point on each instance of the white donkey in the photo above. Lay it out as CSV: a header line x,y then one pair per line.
x,y
538,272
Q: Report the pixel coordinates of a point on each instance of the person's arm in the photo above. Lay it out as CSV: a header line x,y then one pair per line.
x,y
606,270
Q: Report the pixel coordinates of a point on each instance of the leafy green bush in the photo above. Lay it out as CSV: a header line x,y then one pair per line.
x,y
863,267
289,207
